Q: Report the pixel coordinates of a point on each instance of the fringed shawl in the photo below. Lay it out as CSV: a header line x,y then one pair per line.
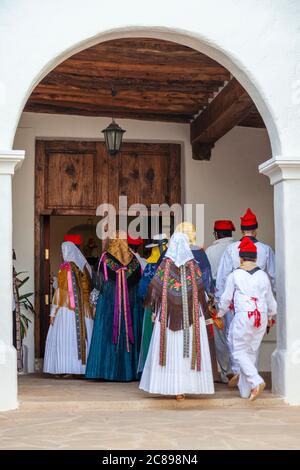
x,y
174,293
178,296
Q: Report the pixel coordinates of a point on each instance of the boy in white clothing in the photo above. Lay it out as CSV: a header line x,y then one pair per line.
x,y
248,288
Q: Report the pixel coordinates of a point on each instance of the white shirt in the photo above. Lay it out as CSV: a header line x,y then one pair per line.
x,y
242,287
231,260
215,251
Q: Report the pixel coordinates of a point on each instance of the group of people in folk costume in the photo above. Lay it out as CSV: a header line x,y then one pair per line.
x,y
167,320
244,276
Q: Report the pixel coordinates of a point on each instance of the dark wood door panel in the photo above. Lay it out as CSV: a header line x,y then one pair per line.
x,y
71,180
78,176
153,179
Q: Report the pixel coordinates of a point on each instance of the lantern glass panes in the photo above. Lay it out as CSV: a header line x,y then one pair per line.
x,y
113,135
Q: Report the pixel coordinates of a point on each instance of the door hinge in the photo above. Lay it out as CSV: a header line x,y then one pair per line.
x,y
46,253
46,299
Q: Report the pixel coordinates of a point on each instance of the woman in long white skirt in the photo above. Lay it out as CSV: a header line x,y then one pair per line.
x,y
178,360
71,326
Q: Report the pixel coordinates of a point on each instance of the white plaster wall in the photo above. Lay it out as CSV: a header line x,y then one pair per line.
x,y
258,40
227,185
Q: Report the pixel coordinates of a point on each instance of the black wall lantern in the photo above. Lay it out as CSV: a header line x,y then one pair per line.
x,y
113,134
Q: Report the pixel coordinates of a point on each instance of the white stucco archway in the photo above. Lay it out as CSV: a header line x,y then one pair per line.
x,y
197,41
257,41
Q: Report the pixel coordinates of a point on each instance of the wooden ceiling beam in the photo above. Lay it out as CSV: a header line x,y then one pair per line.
x,y
130,95
112,70
202,151
165,106
52,108
145,50
83,81
253,119
229,107
108,108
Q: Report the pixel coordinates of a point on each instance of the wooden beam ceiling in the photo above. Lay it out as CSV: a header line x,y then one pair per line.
x,y
231,106
253,119
155,80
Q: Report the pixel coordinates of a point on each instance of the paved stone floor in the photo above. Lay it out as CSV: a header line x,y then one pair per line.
x,y
76,414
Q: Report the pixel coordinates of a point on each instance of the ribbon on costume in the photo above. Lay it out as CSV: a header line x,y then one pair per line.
x,y
122,295
74,305
67,266
80,324
163,316
103,260
256,314
196,356
185,308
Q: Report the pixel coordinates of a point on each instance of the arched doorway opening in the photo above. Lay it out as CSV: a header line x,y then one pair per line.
x,y
187,97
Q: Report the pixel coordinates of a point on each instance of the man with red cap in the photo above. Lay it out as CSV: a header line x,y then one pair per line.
x,y
230,258
223,238
249,290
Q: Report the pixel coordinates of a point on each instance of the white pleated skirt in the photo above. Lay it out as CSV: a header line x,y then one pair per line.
x,y
61,354
177,377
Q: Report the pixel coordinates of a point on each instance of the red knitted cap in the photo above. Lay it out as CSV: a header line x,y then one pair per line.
x,y
249,221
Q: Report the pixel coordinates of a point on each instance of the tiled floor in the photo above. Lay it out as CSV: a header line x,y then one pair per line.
x,y
75,414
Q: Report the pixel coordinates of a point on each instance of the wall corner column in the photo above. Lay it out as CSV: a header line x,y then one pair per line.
x,y
284,174
9,161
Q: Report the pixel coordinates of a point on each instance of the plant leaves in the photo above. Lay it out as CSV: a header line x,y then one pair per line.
x,y
22,281
25,296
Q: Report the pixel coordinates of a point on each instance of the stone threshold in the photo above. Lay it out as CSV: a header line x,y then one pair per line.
x,y
150,404
37,392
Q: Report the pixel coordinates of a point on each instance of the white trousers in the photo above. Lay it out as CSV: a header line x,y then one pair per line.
x,y
244,340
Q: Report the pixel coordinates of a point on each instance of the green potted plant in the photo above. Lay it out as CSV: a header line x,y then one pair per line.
x,y
23,305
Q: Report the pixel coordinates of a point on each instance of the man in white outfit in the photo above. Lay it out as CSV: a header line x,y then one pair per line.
x,y
248,288
223,238
231,261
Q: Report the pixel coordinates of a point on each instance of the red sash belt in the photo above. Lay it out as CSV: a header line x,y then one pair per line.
x,y
256,314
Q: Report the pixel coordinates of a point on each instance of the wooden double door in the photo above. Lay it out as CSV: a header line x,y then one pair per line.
x,y
75,177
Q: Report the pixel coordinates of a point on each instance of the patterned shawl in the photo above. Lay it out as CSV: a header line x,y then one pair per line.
x,y
174,292
178,296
